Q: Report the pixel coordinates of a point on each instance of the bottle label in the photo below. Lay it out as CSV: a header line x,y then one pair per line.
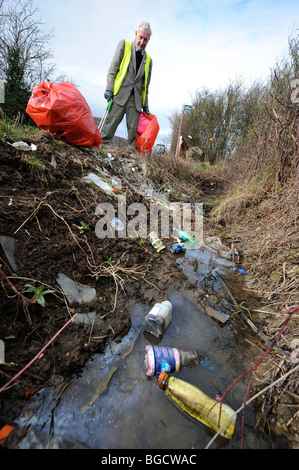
x,y
162,359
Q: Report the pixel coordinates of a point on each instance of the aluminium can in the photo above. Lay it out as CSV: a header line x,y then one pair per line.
x,y
156,242
178,248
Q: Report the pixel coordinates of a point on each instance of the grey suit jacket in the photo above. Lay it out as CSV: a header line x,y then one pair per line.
x,y
131,80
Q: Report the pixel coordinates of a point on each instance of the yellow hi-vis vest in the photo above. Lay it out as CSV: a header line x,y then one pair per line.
x,y
122,71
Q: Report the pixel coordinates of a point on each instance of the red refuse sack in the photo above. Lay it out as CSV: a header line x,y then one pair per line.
x,y
147,131
62,110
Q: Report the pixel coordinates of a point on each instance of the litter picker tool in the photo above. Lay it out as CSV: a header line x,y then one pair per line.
x,y
100,127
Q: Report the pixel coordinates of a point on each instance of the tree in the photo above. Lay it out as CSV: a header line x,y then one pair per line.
x,y
212,120
16,91
221,120
24,53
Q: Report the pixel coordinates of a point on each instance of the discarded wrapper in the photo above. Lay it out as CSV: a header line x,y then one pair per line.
x,y
24,146
117,224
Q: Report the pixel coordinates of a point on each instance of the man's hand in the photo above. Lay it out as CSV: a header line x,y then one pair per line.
x,y
146,110
108,95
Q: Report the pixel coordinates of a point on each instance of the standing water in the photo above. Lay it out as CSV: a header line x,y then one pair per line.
x,y
114,404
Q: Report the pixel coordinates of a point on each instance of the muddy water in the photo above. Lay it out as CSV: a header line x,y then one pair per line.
x,y
112,404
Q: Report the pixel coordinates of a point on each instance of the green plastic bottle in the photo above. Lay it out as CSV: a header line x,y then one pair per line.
x,y
184,236
199,405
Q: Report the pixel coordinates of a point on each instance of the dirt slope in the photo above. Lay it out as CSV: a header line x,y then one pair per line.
x,y
43,213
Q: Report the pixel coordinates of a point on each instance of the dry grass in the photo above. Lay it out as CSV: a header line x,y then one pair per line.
x,y
260,209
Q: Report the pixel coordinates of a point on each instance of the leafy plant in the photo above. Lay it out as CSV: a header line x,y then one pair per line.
x,y
83,227
39,293
110,261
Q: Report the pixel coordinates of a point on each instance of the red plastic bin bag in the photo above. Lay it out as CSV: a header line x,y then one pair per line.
x,y
62,110
147,131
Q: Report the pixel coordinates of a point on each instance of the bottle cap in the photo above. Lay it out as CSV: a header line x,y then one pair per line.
x,y
162,380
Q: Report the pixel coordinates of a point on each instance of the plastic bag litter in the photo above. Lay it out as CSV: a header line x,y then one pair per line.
x,y
216,244
24,146
62,110
147,131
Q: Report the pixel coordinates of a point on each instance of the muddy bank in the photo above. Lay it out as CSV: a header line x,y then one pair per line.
x,y
49,212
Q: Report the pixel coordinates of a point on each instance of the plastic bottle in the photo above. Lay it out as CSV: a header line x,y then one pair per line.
x,y
184,235
160,359
116,182
158,319
100,183
217,261
199,405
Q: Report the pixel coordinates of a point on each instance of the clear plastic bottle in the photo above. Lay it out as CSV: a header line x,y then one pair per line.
x,y
199,405
161,359
222,263
116,182
158,319
100,183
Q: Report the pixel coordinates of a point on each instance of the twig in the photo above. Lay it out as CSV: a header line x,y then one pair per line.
x,y
38,355
252,399
253,369
28,218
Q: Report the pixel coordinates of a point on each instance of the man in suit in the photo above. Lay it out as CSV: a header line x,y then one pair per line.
x,y
128,81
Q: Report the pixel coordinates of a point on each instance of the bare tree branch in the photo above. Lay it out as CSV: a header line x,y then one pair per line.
x,y
21,29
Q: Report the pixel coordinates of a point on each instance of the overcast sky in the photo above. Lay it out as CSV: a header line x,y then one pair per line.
x,y
195,44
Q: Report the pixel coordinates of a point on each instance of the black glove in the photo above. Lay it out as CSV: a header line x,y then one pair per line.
x,y
108,95
146,110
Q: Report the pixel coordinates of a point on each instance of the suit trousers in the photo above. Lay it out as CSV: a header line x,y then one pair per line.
x,y
114,118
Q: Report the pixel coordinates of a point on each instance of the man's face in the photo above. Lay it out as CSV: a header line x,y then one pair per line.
x,y
142,37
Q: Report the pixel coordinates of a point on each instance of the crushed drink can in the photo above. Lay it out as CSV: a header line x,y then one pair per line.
x,y
178,248
156,242
236,255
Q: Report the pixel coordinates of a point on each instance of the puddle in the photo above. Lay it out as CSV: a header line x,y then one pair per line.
x,y
113,404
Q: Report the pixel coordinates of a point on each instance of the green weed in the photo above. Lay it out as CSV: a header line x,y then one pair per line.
x,y
38,293
83,227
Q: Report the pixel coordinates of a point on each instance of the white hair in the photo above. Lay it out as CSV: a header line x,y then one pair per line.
x,y
145,25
